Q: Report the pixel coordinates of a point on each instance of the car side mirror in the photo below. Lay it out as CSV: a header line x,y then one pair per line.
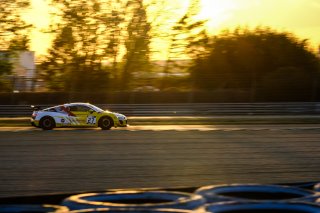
x,y
91,111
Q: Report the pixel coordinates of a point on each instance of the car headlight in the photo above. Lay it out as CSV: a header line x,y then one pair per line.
x,y
121,117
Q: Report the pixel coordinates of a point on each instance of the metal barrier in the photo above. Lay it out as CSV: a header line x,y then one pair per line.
x,y
198,109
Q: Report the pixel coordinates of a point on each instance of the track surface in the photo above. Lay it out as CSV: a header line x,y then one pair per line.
x,y
67,160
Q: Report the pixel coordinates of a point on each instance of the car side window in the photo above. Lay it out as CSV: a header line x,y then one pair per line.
x,y
59,108
52,110
73,108
81,108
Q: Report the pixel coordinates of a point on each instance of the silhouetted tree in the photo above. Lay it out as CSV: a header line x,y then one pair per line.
x,y
11,23
137,42
189,33
13,36
244,59
81,47
5,68
59,65
115,32
187,38
287,83
5,64
92,37
19,43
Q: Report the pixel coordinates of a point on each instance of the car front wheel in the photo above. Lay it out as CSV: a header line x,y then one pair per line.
x,y
47,123
106,123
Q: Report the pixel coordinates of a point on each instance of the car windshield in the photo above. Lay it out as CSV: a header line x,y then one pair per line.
x,y
51,109
95,108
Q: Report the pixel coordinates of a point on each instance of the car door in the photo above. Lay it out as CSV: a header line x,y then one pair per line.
x,y
83,114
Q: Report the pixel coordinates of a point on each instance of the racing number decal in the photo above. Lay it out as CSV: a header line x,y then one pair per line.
x,y
91,119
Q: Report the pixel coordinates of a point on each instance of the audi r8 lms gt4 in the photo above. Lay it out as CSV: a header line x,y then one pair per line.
x,y
76,115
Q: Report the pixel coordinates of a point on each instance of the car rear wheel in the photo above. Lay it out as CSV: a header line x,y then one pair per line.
x,y
106,123
47,123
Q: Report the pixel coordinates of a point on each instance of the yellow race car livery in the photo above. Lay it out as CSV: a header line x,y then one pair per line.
x,y
76,115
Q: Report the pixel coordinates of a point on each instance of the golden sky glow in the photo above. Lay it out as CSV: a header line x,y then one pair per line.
x,y
301,17
40,18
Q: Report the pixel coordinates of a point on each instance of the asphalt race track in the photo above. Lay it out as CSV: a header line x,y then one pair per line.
x,y
36,162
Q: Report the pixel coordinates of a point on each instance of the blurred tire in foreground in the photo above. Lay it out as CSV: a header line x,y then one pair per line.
x,y
133,210
27,208
262,207
134,199
255,192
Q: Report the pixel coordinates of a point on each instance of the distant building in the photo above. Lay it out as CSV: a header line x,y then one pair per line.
x,y
23,71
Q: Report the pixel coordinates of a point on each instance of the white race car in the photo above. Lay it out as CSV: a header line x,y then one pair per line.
x,y
76,115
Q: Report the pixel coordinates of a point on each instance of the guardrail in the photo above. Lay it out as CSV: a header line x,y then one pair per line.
x,y
198,109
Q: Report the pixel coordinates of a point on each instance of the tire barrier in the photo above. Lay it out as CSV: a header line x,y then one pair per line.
x,y
107,210
27,208
255,192
265,207
134,199
234,198
308,185
316,187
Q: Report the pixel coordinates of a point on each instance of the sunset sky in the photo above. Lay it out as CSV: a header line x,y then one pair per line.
x,y
301,17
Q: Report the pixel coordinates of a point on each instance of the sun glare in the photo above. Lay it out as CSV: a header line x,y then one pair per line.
x,y
217,11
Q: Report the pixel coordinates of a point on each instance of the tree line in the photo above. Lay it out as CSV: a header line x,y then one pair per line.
x,y
262,61
103,45
14,35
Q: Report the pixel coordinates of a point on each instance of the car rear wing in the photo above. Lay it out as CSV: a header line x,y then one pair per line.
x,y
35,108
